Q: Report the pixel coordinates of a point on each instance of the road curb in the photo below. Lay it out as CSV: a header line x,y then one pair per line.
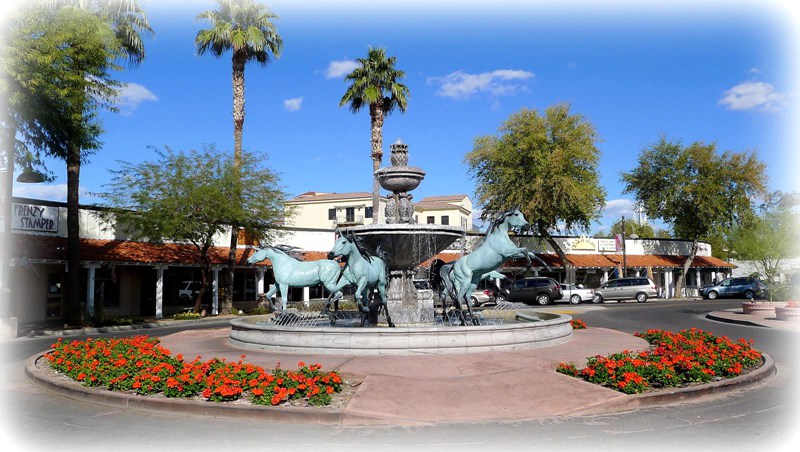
x,y
330,416
716,318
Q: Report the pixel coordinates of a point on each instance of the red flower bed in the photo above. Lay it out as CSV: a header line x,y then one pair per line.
x,y
675,359
578,324
140,364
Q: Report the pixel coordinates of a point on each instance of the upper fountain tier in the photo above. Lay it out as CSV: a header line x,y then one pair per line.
x,y
399,179
406,243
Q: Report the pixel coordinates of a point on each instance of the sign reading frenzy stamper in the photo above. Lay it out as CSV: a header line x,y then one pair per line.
x,y
29,217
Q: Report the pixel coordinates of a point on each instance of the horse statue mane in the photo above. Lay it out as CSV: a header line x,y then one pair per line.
x,y
288,250
359,243
499,219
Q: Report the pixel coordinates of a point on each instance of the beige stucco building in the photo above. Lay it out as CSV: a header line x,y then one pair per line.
x,y
453,210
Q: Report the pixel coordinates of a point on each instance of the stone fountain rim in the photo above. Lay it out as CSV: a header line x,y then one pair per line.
x,y
399,170
403,227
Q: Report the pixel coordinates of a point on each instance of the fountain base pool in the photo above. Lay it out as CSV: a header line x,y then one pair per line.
x,y
516,333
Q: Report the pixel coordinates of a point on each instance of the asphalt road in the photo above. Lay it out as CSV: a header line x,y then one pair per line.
x,y
765,418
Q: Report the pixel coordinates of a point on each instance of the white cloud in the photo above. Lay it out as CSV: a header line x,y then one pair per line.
x,y
48,192
293,104
131,95
753,95
501,82
615,208
340,68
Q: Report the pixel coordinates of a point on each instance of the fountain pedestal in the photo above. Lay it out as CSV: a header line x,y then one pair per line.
x,y
407,304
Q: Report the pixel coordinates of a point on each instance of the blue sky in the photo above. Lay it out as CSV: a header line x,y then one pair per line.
x,y
704,71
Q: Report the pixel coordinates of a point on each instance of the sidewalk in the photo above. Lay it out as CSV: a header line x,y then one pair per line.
x,y
423,389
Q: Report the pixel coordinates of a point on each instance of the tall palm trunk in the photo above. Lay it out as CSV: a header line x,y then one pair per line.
x,y
376,123
238,61
73,291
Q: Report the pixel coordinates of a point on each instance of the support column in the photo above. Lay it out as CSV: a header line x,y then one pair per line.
x,y
669,289
306,296
605,276
90,288
160,291
215,292
698,281
260,281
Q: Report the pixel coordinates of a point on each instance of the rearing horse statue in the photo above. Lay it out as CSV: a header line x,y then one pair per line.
x,y
495,249
365,271
291,272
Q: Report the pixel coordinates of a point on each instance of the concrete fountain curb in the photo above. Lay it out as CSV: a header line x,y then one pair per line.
x,y
329,416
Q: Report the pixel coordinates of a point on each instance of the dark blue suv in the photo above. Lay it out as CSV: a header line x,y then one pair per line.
x,y
740,287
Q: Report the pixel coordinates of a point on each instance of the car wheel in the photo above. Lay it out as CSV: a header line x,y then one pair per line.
x,y
749,294
575,299
597,299
501,298
542,299
474,302
641,297
712,295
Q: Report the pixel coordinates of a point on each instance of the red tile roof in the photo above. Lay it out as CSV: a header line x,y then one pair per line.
x,y
312,196
443,198
53,248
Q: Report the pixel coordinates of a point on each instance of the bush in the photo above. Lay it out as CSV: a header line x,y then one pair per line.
x,y
187,316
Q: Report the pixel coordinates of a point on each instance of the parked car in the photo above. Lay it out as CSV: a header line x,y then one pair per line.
x,y
540,290
480,297
188,291
638,288
740,287
576,294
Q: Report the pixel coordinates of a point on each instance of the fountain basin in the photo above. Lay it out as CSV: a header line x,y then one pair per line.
x,y
400,178
408,245
248,333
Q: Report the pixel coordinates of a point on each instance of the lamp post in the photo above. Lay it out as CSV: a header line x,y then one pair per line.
x,y
29,175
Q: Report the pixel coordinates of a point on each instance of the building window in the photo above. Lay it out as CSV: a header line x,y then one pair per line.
x,y
463,222
350,214
367,212
332,214
430,220
445,220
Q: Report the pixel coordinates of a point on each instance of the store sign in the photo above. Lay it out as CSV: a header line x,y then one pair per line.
x,y
608,245
30,217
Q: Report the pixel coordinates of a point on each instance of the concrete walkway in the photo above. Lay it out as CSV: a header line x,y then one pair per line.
x,y
434,389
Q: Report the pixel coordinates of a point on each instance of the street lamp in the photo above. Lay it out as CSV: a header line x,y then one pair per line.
x,y
28,175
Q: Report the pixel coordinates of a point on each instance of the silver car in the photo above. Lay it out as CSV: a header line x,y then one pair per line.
x,y
638,288
576,294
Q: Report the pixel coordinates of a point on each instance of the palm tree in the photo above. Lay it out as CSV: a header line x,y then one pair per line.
x,y
128,22
375,83
245,28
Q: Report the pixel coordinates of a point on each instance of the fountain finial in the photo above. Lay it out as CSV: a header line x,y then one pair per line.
x,y
399,153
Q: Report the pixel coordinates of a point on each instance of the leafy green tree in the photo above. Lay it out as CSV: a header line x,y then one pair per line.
x,y
186,197
245,28
547,165
58,62
771,238
375,83
697,190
